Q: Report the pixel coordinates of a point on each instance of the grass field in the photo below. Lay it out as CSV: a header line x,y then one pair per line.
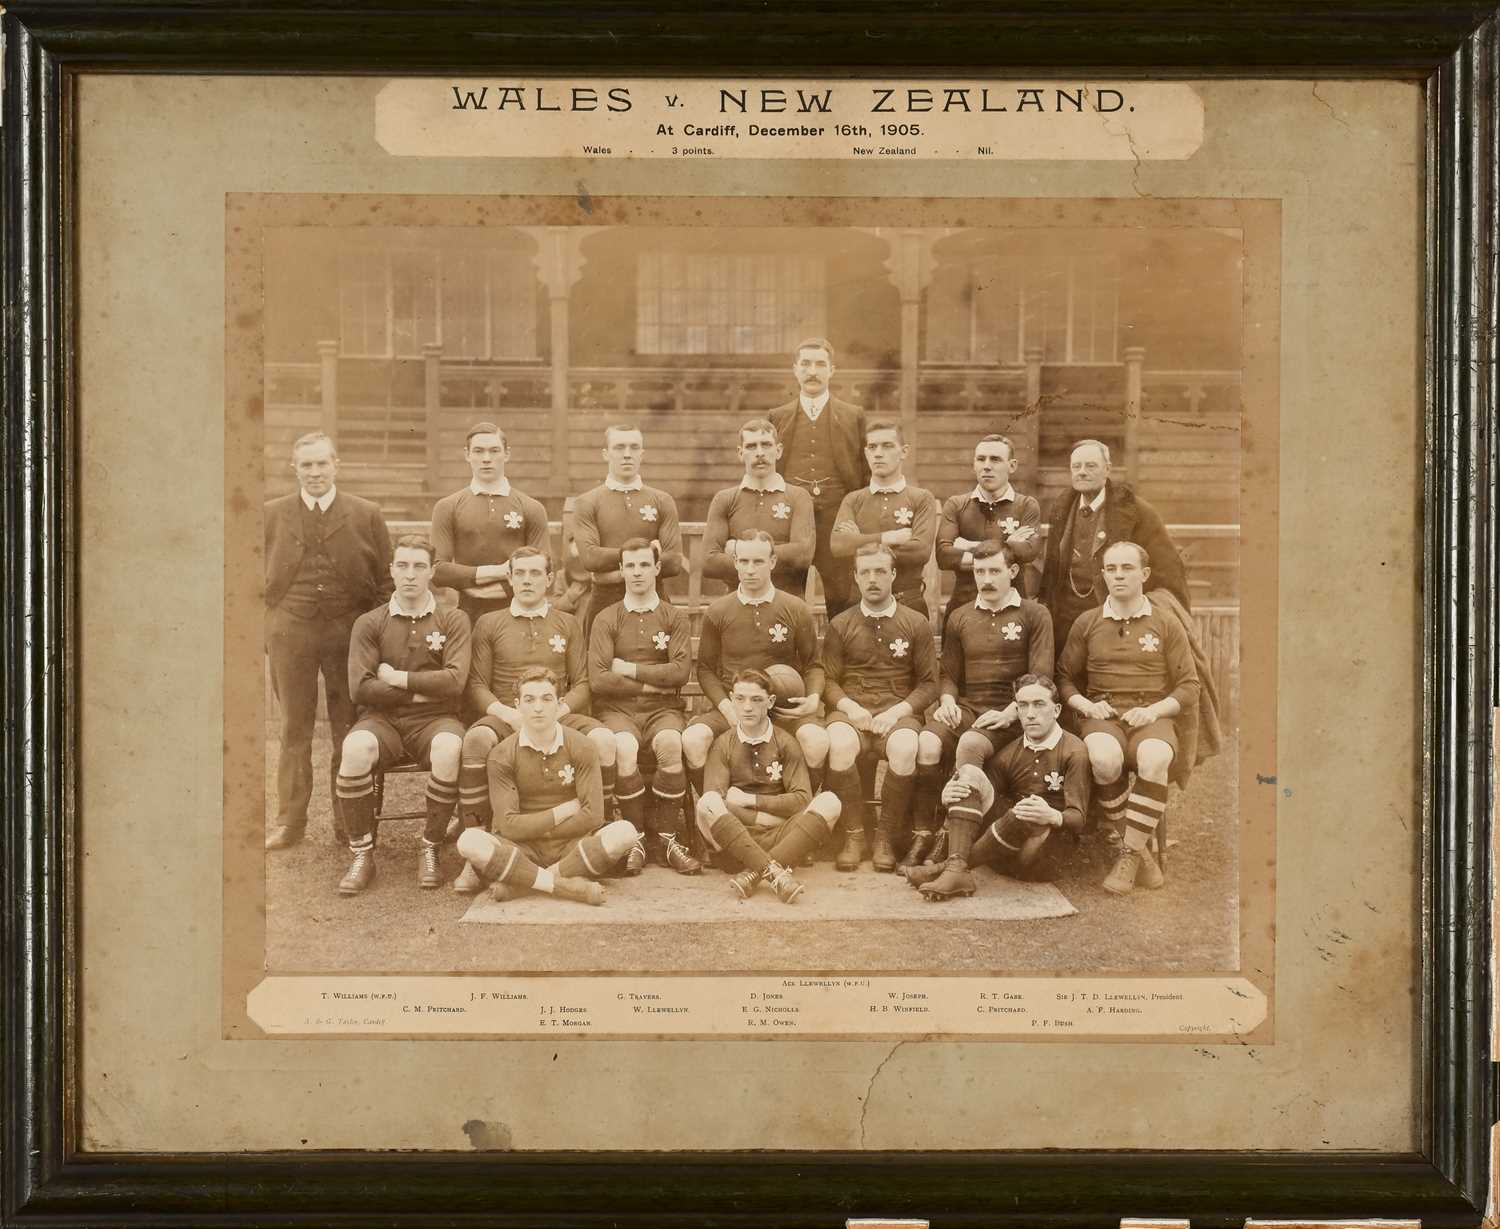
x,y
1190,925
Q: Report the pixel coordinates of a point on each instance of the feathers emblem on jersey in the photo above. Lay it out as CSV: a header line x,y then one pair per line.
x,y
781,511
648,512
661,640
899,647
513,519
903,516
774,771
1054,780
558,644
565,774
436,640
1010,525
778,632
1011,631
1151,642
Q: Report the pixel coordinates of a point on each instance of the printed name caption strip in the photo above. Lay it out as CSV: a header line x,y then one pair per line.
x,y
642,118
1196,1010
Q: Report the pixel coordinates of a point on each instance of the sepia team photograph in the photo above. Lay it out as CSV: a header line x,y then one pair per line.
x,y
651,597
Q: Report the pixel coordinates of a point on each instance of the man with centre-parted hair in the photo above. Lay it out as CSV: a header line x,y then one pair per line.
x,y
1127,670
757,804
823,439
880,671
528,632
890,512
475,530
754,627
328,558
763,500
1040,785
988,643
640,656
551,834
622,507
408,661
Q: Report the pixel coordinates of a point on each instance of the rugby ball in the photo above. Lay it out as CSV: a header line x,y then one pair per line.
x,y
786,683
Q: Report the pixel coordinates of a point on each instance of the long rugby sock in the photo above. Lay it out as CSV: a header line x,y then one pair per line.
x,y
442,797
474,794
630,793
357,804
961,831
1143,812
895,803
798,837
1112,799
850,790
668,788
695,778
925,795
496,859
608,783
731,836
598,851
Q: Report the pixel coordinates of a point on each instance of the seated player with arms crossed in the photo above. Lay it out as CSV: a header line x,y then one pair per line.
x,y
1041,781
880,671
891,512
987,644
755,627
408,661
551,833
528,632
992,512
763,500
640,655
1127,670
756,806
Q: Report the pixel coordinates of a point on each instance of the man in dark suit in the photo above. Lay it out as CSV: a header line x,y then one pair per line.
x,y
1096,514
823,442
327,561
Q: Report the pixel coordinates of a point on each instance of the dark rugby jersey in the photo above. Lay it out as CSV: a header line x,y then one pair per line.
x,y
880,660
874,512
1059,775
526,783
985,651
737,635
433,649
976,520
505,644
658,641
470,529
772,769
604,519
1145,658
787,515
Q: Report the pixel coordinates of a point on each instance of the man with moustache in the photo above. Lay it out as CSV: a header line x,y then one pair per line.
x,y
619,509
475,530
1094,515
992,512
763,500
823,439
327,558
987,644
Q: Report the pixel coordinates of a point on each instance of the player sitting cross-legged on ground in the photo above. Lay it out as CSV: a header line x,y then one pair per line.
x,y
880,670
640,654
550,830
756,802
1127,670
407,664
528,631
987,644
1039,785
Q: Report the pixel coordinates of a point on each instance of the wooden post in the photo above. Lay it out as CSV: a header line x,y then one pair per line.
x,y
1031,440
908,268
1135,358
559,263
432,390
328,384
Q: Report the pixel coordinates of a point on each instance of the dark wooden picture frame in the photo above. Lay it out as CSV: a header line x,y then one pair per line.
x,y
1453,47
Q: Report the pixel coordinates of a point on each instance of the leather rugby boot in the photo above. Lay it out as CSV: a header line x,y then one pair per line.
x,y
916,852
468,882
675,855
361,872
584,890
926,873
428,874
1150,875
853,852
884,855
782,883
956,880
635,860
1121,880
744,884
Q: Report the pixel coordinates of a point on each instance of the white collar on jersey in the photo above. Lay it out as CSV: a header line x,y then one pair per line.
x,y
1142,610
500,488
1007,494
527,741
643,605
614,484
756,741
885,613
895,488
541,612
427,608
774,483
755,601
1047,743
1012,598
